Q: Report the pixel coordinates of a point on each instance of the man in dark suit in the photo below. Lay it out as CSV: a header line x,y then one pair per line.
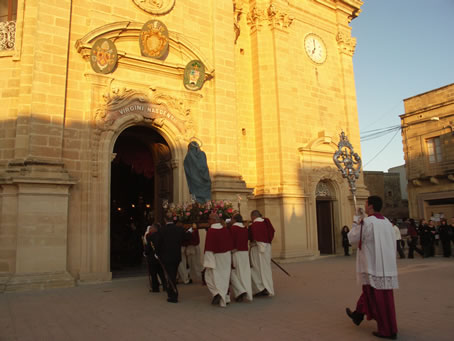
x,y
171,237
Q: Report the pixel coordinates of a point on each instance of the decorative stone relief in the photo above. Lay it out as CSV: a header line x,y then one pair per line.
x,y
238,6
315,175
346,44
157,7
322,190
7,35
271,15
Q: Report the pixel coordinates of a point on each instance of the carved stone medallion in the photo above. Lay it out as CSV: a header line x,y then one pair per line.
x,y
157,7
154,40
194,75
103,56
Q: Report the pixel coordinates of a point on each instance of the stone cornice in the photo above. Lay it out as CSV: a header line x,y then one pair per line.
x,y
350,7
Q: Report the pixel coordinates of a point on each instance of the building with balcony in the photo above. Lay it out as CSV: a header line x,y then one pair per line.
x,y
428,142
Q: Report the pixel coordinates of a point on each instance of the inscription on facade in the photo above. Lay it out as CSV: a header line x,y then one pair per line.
x,y
147,110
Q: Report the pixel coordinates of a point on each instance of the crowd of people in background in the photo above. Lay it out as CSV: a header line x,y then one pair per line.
x,y
423,237
426,236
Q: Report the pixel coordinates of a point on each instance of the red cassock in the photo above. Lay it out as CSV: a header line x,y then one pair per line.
x,y
218,240
240,238
195,239
262,231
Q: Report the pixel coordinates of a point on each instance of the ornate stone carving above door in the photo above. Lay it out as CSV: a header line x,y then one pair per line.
x,y
157,7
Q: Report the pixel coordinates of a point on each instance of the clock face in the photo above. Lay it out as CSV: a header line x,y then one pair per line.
x,y
315,48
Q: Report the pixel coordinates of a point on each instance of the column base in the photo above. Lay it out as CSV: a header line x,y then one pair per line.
x,y
36,281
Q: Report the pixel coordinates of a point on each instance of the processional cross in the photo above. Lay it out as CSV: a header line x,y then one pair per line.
x,y
348,162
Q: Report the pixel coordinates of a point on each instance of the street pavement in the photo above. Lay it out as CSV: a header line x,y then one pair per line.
x,y
309,305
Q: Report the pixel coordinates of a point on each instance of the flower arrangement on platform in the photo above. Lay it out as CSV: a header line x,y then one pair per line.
x,y
193,212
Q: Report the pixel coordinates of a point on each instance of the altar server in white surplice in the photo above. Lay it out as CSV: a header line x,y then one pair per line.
x,y
240,277
218,260
261,234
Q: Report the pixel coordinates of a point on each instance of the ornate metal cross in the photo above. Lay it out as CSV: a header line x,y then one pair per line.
x,y
348,162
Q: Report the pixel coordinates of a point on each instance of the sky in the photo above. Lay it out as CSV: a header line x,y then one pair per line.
x,y
403,48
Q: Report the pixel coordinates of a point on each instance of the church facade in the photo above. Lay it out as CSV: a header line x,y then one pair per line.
x,y
264,86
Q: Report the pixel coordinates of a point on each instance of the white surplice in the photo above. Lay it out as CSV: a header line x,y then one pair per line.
x,y
241,274
217,272
190,266
261,275
376,261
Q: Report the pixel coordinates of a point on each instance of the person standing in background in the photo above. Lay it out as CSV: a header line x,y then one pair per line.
x,y
398,239
445,237
345,242
412,233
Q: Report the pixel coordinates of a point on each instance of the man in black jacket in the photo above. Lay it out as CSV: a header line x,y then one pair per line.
x,y
151,240
171,237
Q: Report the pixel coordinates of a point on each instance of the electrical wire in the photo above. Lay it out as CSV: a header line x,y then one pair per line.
x,y
392,138
376,133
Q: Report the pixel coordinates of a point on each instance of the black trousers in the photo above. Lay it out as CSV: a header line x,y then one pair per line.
x,y
156,271
346,250
172,269
413,247
399,249
446,244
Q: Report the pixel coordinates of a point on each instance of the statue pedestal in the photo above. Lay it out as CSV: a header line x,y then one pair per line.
x,y
228,187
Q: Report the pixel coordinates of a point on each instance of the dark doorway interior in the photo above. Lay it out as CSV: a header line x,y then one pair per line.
x,y
325,227
133,189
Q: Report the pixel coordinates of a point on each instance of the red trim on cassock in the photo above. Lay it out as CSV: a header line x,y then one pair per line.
x,y
218,240
378,305
240,238
262,231
378,215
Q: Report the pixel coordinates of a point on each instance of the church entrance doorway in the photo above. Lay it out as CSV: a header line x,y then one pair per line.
x,y
324,227
141,178
325,218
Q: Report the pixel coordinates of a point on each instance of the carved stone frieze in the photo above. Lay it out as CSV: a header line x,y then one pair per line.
x,y
270,15
346,44
157,7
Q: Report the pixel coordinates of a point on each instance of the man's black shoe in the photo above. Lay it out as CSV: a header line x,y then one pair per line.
x,y
154,290
216,300
392,337
241,297
264,292
172,300
356,317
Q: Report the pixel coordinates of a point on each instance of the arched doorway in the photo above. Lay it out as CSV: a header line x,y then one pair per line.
x,y
141,178
325,218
